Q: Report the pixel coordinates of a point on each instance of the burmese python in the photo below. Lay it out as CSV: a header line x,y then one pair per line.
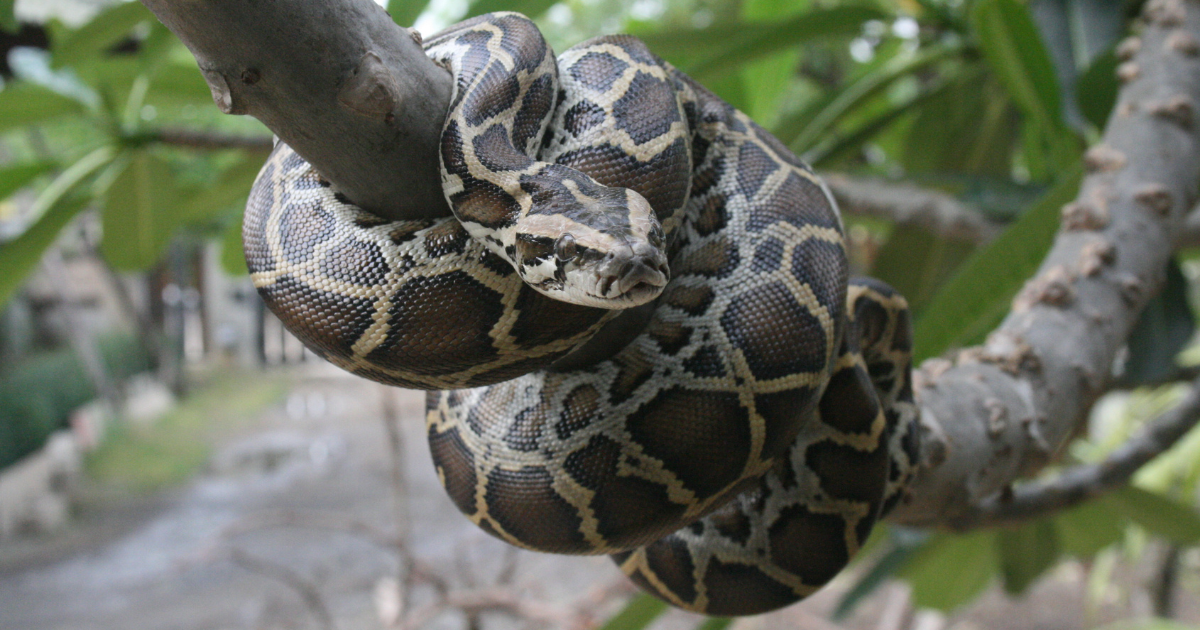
x,y
732,440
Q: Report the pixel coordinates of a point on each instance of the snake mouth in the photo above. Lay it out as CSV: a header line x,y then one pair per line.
x,y
632,281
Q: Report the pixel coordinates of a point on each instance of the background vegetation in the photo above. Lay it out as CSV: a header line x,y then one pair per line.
x,y
108,129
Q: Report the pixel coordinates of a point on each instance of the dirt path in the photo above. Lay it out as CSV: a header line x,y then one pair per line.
x,y
203,557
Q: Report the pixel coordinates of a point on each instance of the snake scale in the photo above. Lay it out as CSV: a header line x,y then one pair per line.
x,y
637,330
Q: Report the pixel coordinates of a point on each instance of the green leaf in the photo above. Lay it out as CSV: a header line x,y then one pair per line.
x,y
19,256
23,103
1147,624
233,257
1096,89
842,145
18,176
94,38
715,623
1160,515
1087,528
802,130
1162,331
705,52
232,186
531,8
140,213
905,545
1015,52
764,40
8,19
916,262
978,296
969,128
405,12
1025,553
637,614
951,569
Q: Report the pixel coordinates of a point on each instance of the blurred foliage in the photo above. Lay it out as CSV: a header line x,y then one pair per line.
x,y
173,448
38,393
992,101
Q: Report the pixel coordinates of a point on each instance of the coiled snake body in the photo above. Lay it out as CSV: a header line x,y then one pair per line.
x,y
731,438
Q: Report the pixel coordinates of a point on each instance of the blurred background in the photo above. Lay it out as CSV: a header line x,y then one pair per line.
x,y
170,457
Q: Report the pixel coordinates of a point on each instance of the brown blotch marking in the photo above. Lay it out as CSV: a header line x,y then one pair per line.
x,y
495,93
768,256
740,589
525,431
485,203
355,263
809,544
542,320
671,562
302,227
754,167
512,369
669,336
701,436
848,473
456,463
581,117
495,150
446,238
849,403
539,99
777,335
662,180
326,322
631,510
597,70
525,504
405,231
798,201
732,523
715,259
579,410
440,325
633,370
706,362
711,217
646,94
523,40
452,154
691,299
782,414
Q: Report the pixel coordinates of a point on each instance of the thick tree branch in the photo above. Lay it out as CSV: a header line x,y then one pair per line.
x,y
934,210
1004,409
1079,483
341,83
211,140
356,96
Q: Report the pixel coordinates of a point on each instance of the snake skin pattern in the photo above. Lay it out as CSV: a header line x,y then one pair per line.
x,y
732,446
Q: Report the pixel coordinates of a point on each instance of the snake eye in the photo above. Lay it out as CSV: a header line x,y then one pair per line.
x,y
564,247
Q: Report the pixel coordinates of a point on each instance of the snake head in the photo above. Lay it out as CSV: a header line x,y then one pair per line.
x,y
605,250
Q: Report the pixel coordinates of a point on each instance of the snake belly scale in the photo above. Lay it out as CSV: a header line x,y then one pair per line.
x,y
733,447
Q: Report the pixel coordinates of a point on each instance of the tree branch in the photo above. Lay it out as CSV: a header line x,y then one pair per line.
x,y
357,97
1079,483
348,89
210,140
1004,409
934,210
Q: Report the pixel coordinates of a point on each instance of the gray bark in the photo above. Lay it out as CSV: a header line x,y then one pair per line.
x,y
326,76
341,83
998,412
